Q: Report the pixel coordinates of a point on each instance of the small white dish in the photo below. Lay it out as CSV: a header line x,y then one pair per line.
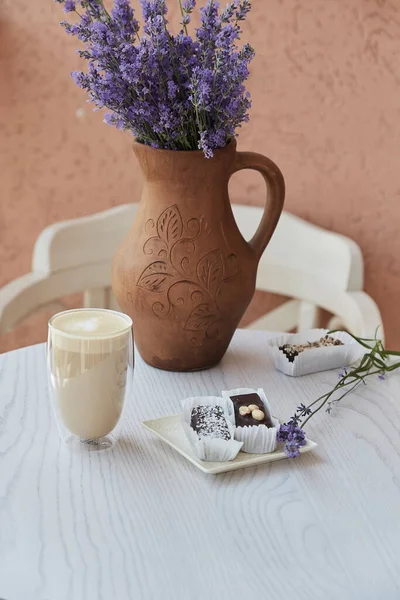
x,y
314,360
170,430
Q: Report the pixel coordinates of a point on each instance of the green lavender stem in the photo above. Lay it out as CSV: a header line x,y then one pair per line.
x,y
374,362
183,16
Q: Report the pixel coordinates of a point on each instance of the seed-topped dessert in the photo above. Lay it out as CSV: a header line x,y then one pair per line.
x,y
293,350
209,422
256,428
250,411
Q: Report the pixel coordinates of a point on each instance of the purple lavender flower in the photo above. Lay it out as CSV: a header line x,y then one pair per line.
x,y
293,437
381,376
243,8
292,450
228,12
238,8
153,8
189,5
123,16
303,410
69,6
187,8
170,91
342,373
81,79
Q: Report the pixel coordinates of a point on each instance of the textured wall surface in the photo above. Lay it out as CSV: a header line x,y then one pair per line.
x,y
326,88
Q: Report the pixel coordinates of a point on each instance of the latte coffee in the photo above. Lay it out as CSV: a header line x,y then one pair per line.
x,y
88,354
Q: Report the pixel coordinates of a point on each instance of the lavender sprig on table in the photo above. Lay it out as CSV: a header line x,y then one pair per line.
x,y
293,437
171,91
373,363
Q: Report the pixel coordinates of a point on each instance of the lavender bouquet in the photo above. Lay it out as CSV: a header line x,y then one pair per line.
x,y
171,91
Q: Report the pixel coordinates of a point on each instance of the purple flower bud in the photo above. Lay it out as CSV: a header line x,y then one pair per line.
x,y
81,79
69,6
291,450
293,437
123,15
188,5
172,90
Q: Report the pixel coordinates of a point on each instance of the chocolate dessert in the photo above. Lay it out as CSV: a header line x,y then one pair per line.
x,y
293,350
209,422
249,410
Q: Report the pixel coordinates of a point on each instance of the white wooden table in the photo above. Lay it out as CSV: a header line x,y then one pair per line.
x,y
140,522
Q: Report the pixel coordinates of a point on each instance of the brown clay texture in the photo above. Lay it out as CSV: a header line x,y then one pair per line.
x,y
184,273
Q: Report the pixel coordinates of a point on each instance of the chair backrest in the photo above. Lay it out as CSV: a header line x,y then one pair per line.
x,y
76,243
300,247
70,256
318,268
302,261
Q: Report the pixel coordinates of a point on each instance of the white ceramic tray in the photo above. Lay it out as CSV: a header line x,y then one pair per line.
x,y
170,430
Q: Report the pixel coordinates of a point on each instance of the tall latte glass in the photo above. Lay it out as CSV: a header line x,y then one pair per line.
x,y
90,365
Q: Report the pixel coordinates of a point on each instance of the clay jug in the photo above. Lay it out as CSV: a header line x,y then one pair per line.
x,y
184,274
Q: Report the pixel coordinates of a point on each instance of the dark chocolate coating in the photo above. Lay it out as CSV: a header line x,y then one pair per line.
x,y
289,351
246,400
209,421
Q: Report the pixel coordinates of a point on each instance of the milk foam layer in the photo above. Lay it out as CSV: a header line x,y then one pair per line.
x,y
90,323
90,331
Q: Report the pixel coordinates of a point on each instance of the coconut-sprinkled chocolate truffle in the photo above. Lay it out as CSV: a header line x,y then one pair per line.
x,y
209,422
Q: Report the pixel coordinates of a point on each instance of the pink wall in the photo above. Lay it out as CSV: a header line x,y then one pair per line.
x,y
325,84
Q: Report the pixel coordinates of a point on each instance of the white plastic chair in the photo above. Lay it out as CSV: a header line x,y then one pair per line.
x,y
315,267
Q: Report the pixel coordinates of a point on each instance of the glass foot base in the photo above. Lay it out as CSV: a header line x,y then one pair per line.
x,y
87,445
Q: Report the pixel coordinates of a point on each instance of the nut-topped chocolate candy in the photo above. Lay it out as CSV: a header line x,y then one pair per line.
x,y
250,411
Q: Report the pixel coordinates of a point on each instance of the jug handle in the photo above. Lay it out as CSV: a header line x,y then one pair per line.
x,y
275,196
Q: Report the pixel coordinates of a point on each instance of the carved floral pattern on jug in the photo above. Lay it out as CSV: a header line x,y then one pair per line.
x,y
182,281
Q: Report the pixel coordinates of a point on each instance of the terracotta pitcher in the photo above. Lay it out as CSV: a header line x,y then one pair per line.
x,y
184,273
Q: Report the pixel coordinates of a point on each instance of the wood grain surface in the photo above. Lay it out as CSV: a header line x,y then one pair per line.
x,y
140,522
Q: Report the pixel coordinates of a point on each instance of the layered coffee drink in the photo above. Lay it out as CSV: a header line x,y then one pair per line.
x,y
89,353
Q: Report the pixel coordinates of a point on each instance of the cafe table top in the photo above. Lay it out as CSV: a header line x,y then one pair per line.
x,y
141,522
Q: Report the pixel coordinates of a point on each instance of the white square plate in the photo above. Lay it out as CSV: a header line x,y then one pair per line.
x,y
170,430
